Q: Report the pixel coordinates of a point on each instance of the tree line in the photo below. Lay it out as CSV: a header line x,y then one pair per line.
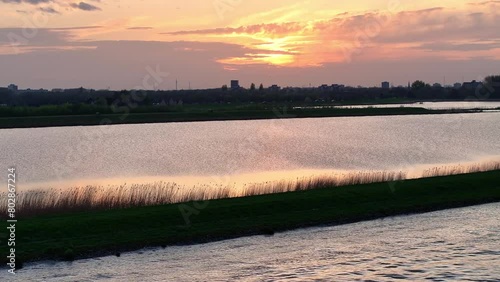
x,y
78,98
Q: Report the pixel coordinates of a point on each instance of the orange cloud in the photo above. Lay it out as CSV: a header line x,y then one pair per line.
x,y
371,35
274,29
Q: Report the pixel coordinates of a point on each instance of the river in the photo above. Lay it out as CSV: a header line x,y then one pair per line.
x,y
451,245
244,151
430,105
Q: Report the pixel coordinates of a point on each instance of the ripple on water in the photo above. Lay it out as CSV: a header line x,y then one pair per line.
x,y
394,276
304,255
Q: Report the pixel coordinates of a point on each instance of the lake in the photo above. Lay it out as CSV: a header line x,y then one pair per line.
x,y
245,151
452,245
429,105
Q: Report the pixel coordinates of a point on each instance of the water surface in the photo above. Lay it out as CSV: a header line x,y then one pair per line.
x,y
434,105
230,151
451,245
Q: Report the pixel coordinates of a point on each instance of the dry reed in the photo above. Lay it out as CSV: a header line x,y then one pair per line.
x,y
76,199
460,169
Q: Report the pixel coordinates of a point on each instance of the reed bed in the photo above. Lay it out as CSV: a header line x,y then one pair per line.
x,y
461,169
88,198
326,181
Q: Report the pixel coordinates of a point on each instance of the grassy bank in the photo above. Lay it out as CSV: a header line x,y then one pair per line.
x,y
207,114
92,198
75,235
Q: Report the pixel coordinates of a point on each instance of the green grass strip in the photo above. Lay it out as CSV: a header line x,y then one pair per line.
x,y
78,235
209,115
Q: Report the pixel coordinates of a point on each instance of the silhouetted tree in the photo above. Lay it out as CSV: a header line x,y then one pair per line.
x,y
492,86
252,87
261,87
419,84
492,79
5,96
224,87
454,94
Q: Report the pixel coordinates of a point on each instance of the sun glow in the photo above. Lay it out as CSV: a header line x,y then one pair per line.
x,y
263,49
273,59
279,36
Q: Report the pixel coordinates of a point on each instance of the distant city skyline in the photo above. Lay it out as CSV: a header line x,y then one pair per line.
x,y
235,84
205,44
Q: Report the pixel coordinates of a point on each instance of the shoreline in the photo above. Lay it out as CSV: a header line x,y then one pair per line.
x,y
100,233
175,117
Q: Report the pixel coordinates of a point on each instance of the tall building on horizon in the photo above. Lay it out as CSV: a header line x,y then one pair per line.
x,y
13,87
235,84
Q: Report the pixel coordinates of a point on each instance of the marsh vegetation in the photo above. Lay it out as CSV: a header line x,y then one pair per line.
x,y
89,198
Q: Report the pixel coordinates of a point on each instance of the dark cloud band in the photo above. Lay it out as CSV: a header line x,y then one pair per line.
x,y
85,6
33,2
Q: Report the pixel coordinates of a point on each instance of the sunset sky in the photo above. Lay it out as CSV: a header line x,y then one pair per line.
x,y
111,43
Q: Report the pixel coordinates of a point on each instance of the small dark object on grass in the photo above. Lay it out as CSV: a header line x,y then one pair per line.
x,y
118,255
69,255
268,231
